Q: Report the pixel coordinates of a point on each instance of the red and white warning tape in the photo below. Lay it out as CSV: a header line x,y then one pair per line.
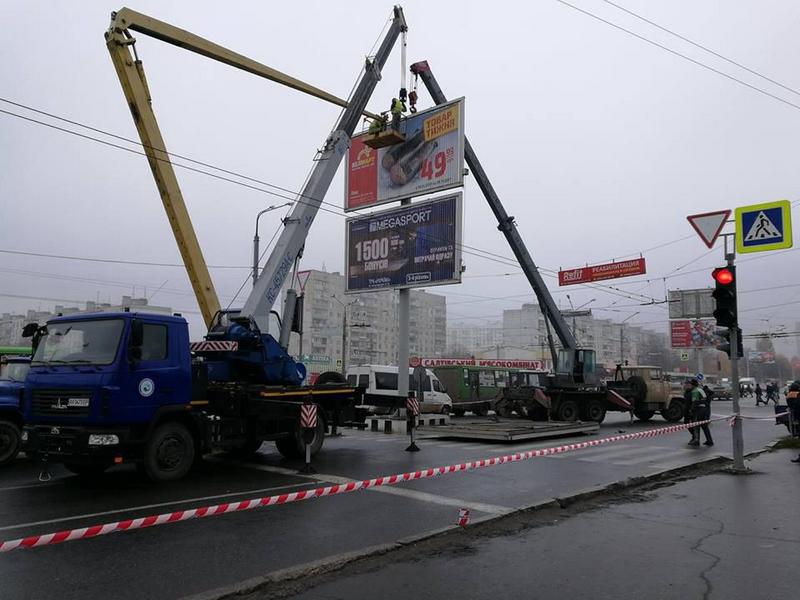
x,y
332,490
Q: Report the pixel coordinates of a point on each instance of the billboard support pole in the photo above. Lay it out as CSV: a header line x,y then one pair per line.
x,y
403,317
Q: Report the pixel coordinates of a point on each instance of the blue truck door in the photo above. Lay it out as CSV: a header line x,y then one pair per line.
x,y
158,378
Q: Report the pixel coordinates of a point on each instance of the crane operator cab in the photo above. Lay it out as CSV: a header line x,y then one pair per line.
x,y
577,366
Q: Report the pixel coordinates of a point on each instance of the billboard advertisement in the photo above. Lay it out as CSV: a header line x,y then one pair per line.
x,y
625,268
429,160
690,304
693,333
417,245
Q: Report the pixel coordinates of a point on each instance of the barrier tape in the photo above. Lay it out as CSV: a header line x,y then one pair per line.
x,y
81,533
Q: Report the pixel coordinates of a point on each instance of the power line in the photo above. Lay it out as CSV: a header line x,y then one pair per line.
x,y
466,249
676,53
705,48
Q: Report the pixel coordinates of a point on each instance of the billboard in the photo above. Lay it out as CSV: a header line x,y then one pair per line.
x,y
416,245
430,159
615,270
690,304
693,333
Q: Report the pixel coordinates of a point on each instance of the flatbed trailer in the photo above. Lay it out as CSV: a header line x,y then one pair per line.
x,y
507,430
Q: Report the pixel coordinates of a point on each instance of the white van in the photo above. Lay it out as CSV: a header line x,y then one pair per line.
x,y
382,381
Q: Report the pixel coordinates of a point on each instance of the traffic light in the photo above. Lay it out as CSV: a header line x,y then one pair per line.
x,y
725,342
725,295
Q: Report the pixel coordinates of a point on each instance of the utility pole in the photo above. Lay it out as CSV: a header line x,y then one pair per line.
x,y
738,438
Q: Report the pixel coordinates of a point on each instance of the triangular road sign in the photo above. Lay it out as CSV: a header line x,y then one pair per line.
x,y
762,229
709,225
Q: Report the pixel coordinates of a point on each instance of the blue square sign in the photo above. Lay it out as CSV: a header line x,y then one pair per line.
x,y
762,227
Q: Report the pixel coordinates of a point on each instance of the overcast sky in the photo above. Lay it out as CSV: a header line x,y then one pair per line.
x,y
599,143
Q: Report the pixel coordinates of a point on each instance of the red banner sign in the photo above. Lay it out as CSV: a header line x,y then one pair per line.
x,y
626,268
498,363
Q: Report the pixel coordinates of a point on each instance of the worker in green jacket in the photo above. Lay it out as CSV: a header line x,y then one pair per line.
x,y
701,411
397,110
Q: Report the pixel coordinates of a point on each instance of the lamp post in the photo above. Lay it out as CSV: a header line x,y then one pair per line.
x,y
256,239
622,337
345,306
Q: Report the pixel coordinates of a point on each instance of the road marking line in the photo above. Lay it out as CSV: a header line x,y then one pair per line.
x,y
612,451
407,493
635,454
677,455
149,506
31,485
491,509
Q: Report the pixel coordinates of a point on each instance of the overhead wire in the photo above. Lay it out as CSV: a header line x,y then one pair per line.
x,y
679,54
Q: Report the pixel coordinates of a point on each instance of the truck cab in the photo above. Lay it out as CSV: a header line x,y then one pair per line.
x,y
649,390
13,370
97,382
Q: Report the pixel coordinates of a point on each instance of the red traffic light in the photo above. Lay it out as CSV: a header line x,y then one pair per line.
x,y
722,276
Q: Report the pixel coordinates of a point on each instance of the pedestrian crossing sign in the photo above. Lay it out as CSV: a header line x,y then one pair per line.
x,y
763,227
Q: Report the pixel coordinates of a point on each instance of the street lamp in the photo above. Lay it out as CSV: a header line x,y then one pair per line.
x,y
345,306
256,239
622,337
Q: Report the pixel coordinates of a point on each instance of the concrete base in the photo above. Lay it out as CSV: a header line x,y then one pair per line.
x,y
396,425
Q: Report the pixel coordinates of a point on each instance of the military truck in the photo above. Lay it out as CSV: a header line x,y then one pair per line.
x,y
649,391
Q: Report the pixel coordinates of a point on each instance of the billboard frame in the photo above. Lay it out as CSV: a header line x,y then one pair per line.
x,y
460,158
457,257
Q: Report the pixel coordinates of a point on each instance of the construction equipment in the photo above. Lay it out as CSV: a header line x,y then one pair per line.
x,y
574,388
117,387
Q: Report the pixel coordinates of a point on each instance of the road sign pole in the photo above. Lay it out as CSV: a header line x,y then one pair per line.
x,y
738,438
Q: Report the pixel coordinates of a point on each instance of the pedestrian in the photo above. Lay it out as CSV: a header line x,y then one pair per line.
x,y
759,394
701,410
793,400
688,414
774,395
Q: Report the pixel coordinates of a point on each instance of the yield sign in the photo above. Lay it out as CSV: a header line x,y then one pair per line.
x,y
709,225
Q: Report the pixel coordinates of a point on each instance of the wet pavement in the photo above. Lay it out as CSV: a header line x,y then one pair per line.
x,y
196,556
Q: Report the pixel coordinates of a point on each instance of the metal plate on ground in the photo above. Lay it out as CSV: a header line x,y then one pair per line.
x,y
506,430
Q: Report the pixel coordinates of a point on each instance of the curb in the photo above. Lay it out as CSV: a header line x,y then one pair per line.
x,y
338,561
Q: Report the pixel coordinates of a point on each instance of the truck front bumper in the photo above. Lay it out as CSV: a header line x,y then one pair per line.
x,y
77,443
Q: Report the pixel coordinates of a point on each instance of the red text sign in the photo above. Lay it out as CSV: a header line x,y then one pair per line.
x,y
626,268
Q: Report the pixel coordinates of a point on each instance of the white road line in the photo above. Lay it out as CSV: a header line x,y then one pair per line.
x,y
150,506
491,509
396,491
678,454
32,485
610,450
622,453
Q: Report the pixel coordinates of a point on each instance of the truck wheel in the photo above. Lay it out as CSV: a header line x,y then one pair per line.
x,y
445,410
643,414
459,412
567,411
293,447
638,388
482,411
87,470
674,412
594,411
9,442
169,453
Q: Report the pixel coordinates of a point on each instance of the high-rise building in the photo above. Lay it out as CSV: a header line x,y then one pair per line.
x,y
372,324
11,324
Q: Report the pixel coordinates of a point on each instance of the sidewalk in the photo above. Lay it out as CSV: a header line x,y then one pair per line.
x,y
716,536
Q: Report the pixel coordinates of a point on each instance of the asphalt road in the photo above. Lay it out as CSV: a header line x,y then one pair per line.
x,y
200,555
718,536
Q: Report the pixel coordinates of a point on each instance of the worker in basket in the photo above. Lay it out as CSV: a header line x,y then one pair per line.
x,y
377,125
397,110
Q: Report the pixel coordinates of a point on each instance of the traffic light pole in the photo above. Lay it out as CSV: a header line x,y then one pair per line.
x,y
738,438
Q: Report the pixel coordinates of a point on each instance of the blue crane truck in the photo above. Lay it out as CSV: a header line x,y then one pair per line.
x,y
13,370
111,388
